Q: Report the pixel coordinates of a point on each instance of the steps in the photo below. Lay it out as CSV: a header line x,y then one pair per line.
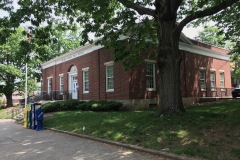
x,y
19,118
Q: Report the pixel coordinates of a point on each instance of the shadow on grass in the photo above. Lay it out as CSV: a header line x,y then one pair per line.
x,y
203,131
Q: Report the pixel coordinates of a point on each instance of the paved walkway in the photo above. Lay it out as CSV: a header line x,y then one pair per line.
x,y
17,143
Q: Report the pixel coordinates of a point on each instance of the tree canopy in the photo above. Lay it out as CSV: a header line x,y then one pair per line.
x,y
144,22
18,47
11,64
212,35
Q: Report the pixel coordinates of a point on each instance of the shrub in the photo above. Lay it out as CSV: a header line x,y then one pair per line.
x,y
71,105
51,107
105,105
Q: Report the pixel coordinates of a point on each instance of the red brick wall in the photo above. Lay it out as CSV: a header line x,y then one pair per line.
x,y
138,84
189,76
97,77
191,64
132,84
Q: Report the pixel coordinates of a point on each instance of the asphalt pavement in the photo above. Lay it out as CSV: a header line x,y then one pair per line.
x,y
18,143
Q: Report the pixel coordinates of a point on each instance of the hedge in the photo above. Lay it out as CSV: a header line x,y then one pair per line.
x,y
71,105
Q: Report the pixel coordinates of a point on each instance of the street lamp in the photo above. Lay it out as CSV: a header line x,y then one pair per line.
x,y
26,69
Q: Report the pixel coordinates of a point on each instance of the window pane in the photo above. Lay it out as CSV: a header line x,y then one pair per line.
x,y
212,84
49,85
202,79
222,85
61,84
202,74
110,83
109,78
212,78
150,75
86,84
85,80
109,71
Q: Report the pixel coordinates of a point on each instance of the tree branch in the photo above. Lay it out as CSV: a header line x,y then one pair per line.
x,y
204,13
141,10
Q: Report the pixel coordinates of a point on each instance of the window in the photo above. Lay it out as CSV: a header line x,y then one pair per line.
x,y
222,81
109,77
213,80
61,84
85,80
74,78
49,85
150,77
202,79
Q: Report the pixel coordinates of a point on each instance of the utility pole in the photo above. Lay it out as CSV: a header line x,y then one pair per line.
x,y
26,86
26,69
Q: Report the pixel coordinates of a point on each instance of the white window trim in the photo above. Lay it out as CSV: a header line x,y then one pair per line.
x,y
150,61
60,83
48,78
154,76
85,70
109,64
213,70
222,71
203,69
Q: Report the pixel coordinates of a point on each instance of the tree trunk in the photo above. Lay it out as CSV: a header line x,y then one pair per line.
x,y
9,100
168,62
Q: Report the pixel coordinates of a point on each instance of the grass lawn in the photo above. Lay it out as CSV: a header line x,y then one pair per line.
x,y
207,131
3,113
8,113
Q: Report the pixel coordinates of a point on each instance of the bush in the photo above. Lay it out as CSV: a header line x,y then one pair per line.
x,y
51,107
105,105
71,105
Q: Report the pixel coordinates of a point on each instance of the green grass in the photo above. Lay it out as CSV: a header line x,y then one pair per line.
x,y
9,113
4,114
206,131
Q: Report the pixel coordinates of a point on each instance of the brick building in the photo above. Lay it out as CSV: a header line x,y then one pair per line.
x,y
89,73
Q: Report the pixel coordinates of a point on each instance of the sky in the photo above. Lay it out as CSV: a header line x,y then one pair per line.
x,y
188,31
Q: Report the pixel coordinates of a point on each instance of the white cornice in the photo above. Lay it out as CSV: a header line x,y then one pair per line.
x,y
202,51
71,55
91,47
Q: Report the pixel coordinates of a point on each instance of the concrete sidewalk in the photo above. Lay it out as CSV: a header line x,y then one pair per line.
x,y
17,143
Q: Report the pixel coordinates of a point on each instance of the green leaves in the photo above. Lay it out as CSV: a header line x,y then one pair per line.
x,y
212,35
9,70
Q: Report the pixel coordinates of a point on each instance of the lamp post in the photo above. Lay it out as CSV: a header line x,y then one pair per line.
x,y
26,67
26,85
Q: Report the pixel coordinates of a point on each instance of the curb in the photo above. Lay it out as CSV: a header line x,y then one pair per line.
x,y
128,146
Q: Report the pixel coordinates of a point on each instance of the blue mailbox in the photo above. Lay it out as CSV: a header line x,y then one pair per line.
x,y
34,121
39,118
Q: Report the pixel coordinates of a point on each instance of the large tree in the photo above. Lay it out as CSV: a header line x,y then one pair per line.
x,y
144,22
17,47
11,63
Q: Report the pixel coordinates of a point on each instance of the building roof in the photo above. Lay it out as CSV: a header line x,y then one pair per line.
x,y
185,44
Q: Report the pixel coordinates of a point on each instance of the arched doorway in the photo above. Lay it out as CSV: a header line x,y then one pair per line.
x,y
73,82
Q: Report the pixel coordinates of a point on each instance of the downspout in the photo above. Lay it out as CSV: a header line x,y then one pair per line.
x,y
99,95
55,80
185,77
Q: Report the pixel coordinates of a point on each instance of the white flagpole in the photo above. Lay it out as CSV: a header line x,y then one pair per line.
x,y
26,86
